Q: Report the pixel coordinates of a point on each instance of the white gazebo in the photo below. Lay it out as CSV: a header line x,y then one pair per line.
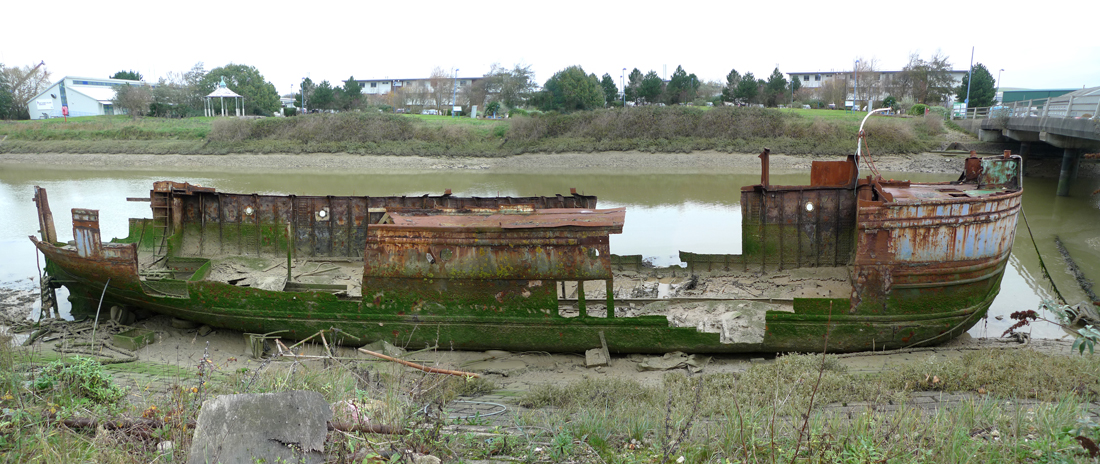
x,y
221,93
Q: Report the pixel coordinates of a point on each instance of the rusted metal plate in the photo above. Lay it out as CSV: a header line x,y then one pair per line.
x,y
556,245
833,173
792,226
611,219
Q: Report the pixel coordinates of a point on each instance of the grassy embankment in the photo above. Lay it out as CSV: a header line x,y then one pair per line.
x,y
771,412
647,129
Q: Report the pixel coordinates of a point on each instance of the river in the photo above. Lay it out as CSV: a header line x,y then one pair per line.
x,y
666,213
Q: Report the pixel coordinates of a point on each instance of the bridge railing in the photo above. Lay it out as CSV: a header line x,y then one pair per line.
x,y
1070,106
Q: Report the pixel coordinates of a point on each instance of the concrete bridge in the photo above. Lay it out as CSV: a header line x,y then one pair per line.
x,y
1070,122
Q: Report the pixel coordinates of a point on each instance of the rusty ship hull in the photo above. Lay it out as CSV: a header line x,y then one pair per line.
x,y
843,264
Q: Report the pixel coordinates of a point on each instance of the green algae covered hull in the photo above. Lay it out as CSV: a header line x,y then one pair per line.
x,y
844,263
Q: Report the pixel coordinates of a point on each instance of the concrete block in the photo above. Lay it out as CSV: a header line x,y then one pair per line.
x,y
595,358
266,427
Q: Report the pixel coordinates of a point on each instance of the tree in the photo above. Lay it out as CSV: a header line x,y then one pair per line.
x,y
179,94
633,85
775,91
983,91
834,91
128,75
730,89
476,93
651,87
6,105
323,97
260,97
441,88
304,89
571,90
926,81
796,84
512,87
23,85
134,100
681,87
747,89
610,90
350,96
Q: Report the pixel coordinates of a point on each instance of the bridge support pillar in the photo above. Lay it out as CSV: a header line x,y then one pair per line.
x,y
1069,171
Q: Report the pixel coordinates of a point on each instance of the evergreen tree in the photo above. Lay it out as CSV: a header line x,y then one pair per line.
x,y
775,91
610,90
129,75
747,89
260,97
350,94
6,100
571,90
982,93
728,91
650,89
633,84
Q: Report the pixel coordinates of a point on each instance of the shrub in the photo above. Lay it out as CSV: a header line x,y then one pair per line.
x,y
290,111
83,377
938,110
918,109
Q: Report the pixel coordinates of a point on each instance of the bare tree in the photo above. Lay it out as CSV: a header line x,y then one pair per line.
x,y
26,83
834,91
441,87
475,94
926,81
871,81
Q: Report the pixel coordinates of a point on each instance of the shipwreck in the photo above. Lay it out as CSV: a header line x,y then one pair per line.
x,y
846,263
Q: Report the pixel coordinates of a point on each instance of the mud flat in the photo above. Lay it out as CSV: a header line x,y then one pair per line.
x,y
609,162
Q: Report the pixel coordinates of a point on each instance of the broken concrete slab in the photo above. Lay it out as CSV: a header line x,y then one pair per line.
x,y
675,360
595,358
273,427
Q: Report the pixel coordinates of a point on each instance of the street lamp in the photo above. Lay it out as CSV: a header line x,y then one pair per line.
x,y
855,91
622,81
304,109
998,91
454,92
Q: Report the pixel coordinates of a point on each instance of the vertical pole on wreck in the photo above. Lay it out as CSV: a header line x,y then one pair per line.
x,y
610,298
580,299
1069,163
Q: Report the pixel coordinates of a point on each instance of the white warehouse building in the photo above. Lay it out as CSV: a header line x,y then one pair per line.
x,y
84,96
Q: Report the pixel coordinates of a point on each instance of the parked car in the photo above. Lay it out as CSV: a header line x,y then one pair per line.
x,y
432,112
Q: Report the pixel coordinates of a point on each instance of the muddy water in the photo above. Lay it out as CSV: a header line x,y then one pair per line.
x,y
666,213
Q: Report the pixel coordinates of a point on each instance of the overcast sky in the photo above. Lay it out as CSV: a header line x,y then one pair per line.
x,y
332,40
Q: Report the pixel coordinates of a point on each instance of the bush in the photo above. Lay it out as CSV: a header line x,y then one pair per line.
x,y
290,111
938,110
83,377
918,109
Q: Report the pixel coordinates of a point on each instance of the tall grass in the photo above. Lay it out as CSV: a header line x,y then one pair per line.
x,y
646,129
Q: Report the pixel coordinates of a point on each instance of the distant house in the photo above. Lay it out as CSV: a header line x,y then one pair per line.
x,y
85,96
412,87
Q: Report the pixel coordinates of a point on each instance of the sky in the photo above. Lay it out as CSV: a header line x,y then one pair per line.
x,y
333,40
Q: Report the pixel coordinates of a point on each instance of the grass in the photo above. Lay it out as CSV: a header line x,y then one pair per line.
x,y
762,414
645,129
